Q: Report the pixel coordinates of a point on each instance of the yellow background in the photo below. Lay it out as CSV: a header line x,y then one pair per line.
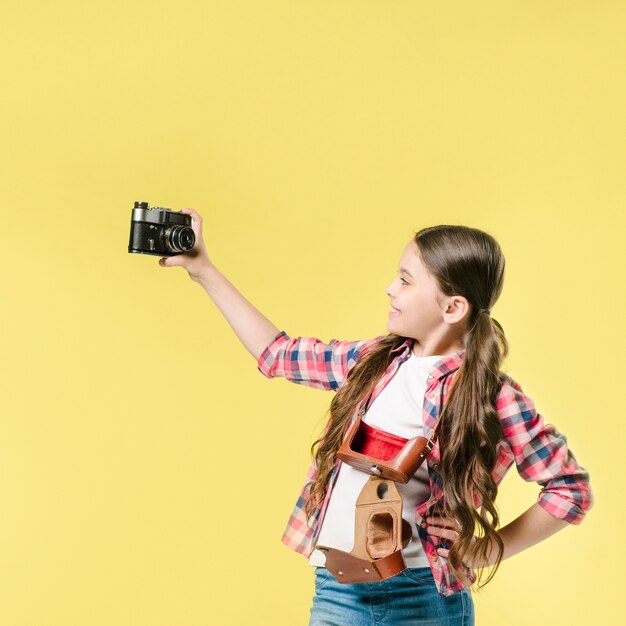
x,y
147,470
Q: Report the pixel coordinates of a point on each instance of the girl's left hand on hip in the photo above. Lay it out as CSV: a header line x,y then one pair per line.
x,y
447,529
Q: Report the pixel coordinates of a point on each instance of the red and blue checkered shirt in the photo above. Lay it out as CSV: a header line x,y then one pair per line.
x,y
539,450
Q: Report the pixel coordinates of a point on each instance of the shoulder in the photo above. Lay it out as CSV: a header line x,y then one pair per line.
x,y
356,350
509,388
513,405
369,344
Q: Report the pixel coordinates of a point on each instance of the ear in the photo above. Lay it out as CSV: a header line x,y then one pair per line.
x,y
456,310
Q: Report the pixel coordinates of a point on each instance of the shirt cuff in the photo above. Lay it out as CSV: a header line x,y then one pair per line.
x,y
268,356
561,507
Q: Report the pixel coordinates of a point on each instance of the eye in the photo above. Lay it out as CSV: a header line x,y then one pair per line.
x,y
404,282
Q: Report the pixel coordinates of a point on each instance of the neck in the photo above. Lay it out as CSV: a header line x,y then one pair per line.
x,y
436,347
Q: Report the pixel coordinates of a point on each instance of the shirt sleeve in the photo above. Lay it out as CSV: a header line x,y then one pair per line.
x,y
542,455
310,361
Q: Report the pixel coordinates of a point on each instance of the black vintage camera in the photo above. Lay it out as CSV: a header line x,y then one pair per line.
x,y
160,231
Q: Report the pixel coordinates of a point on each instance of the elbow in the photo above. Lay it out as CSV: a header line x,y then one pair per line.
x,y
570,505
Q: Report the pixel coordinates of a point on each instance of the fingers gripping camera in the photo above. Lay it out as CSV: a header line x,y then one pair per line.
x,y
160,231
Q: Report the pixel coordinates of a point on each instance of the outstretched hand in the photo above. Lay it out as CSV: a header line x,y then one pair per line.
x,y
195,260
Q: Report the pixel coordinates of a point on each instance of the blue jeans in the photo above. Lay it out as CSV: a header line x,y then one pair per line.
x,y
410,598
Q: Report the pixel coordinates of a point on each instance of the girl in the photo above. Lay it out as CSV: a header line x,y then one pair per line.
x,y
443,352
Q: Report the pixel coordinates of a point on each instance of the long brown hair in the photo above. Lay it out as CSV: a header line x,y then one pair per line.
x,y
467,262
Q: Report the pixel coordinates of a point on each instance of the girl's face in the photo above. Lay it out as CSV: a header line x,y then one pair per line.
x,y
417,304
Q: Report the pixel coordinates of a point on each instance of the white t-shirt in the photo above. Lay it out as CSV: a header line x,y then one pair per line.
x,y
398,410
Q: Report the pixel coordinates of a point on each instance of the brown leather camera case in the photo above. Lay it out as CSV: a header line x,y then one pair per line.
x,y
380,534
399,469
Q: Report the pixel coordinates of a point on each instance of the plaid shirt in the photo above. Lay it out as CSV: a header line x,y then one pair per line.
x,y
539,450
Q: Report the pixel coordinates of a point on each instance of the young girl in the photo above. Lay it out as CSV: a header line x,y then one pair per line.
x,y
443,352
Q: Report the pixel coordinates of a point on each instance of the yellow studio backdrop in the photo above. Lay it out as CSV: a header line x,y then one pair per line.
x,y
314,138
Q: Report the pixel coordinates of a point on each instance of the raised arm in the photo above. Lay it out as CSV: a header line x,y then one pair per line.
x,y
310,361
303,360
252,327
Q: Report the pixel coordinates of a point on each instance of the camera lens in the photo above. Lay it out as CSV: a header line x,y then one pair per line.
x,y
180,238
